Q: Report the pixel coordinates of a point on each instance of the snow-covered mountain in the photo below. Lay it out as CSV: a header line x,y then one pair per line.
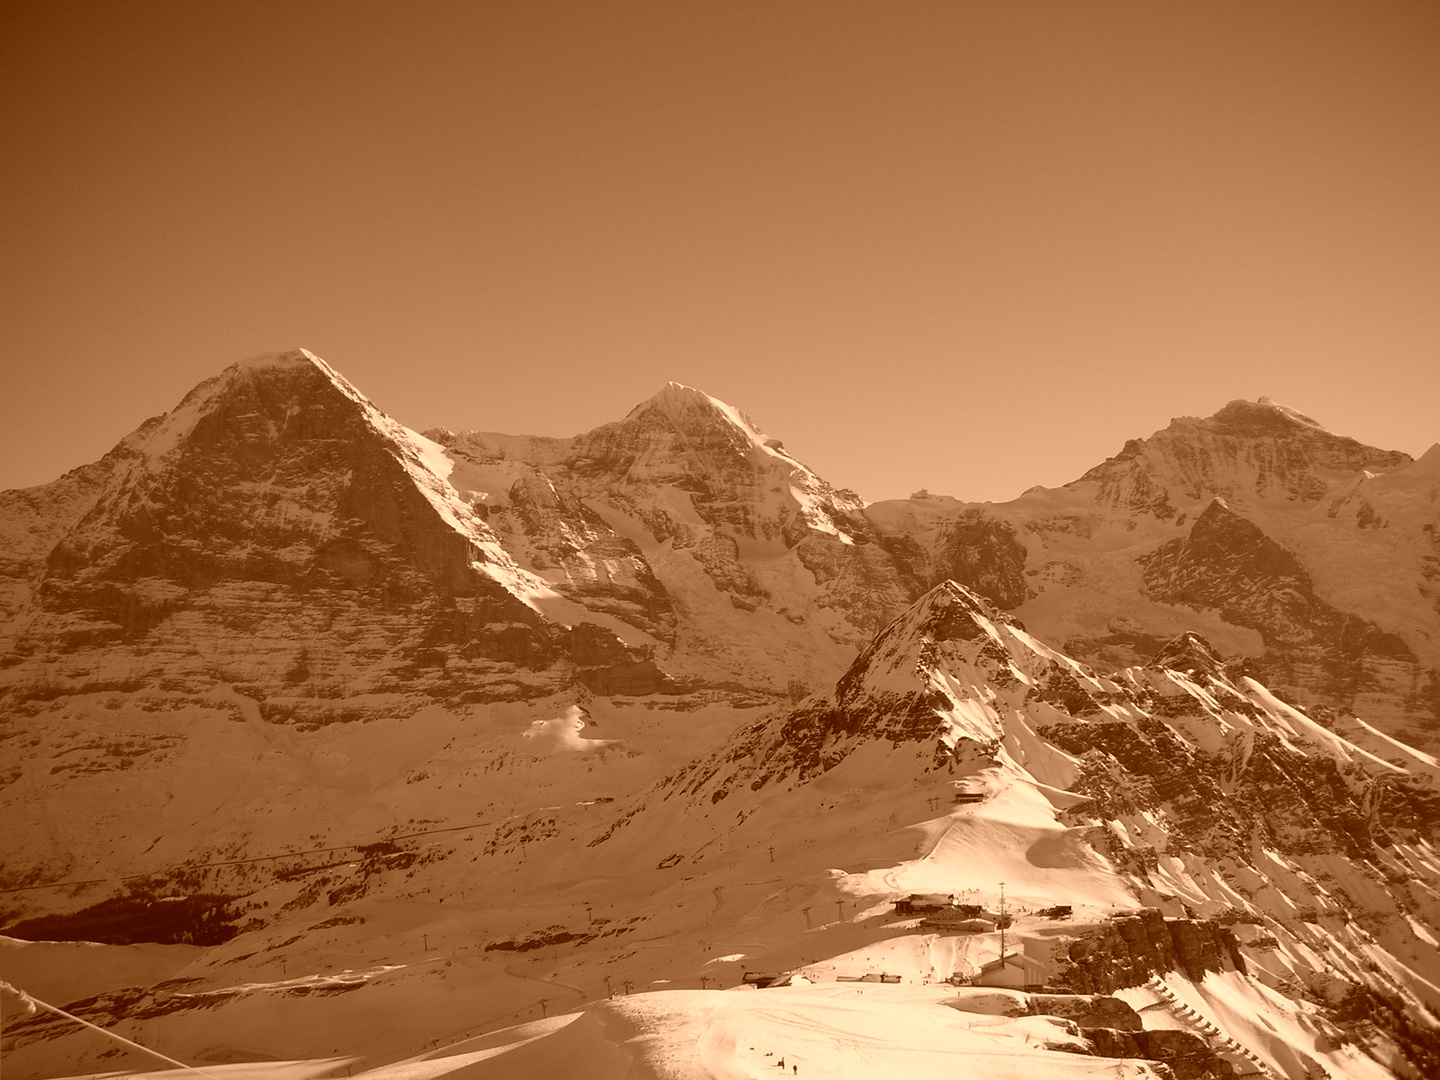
x,y
685,519
682,543
286,685
1307,552
1250,891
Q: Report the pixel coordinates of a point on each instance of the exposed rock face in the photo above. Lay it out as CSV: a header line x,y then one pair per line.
x,y
275,599
974,548
686,524
684,519
278,518
33,520
1248,448
1128,950
1236,777
1284,521
1186,1054
1238,821
1228,564
895,691
1088,1010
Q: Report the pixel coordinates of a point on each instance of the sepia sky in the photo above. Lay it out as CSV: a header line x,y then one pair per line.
x,y
965,246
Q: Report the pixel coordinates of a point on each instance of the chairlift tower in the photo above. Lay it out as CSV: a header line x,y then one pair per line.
x,y
1002,927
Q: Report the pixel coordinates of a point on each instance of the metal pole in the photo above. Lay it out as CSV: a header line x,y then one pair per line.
x,y
1002,929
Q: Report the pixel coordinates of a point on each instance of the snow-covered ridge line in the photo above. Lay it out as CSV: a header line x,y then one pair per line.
x,y
809,491
425,462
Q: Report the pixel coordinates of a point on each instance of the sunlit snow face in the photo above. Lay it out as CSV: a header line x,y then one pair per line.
x,y
564,733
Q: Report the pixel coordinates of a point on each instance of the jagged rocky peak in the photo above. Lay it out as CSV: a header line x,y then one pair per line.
x,y
737,476
947,623
925,686
695,415
256,397
276,454
679,424
1190,653
276,497
686,406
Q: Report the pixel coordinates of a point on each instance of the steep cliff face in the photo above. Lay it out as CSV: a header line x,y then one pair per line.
x,y
33,520
700,528
899,691
277,662
1227,564
1127,950
277,532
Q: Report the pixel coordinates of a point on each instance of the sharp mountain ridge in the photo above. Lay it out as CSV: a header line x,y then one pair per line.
x,y
284,682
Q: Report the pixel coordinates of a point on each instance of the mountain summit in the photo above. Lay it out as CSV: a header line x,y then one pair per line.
x,y
1249,450
337,720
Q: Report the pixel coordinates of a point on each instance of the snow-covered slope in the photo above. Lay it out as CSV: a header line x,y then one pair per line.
x,y
686,519
352,723
1258,893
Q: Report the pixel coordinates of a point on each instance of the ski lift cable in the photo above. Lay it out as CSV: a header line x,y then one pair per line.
x,y
24,997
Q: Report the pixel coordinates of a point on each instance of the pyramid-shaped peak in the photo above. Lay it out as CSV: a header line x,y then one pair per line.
x,y
284,366
909,645
679,402
1428,463
1262,417
948,601
288,364
689,410
282,359
271,385
1189,653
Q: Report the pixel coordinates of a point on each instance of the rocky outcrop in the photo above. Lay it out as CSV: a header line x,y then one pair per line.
x,y
1187,1055
1088,1010
1228,564
1127,950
